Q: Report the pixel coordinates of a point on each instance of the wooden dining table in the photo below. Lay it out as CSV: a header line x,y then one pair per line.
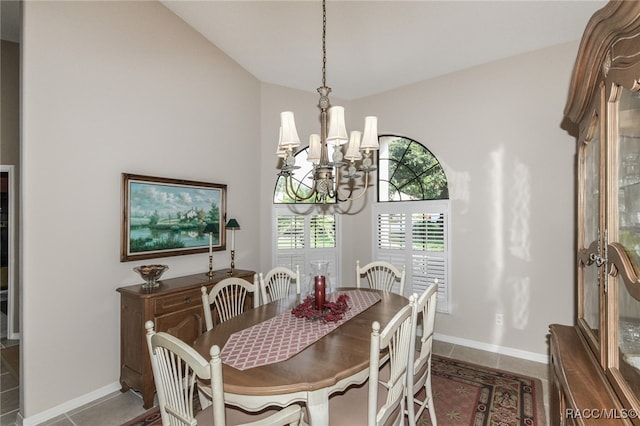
x,y
329,365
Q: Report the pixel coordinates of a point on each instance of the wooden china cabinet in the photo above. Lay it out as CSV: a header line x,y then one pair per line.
x,y
596,363
175,306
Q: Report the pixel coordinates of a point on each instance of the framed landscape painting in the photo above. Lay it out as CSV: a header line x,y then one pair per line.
x,y
167,217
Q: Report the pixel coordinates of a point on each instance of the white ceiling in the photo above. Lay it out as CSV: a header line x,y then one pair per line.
x,y
372,46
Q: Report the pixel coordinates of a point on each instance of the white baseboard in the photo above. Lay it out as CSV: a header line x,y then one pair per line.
x,y
517,353
68,406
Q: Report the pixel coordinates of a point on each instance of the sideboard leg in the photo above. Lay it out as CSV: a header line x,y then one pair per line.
x,y
147,399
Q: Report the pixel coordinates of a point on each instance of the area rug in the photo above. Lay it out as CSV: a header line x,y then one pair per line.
x,y
469,394
464,394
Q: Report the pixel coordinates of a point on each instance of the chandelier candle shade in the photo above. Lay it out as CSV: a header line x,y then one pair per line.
x,y
328,177
233,224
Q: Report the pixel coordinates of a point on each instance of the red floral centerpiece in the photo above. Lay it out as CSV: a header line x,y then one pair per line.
x,y
332,312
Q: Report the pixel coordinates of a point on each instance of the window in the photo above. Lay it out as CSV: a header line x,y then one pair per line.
x,y
304,237
411,221
409,171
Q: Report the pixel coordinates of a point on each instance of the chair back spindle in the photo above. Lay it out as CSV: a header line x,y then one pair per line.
x,y
277,283
228,297
381,275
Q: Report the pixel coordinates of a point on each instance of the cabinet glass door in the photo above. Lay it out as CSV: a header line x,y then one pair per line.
x,y
589,238
629,175
626,231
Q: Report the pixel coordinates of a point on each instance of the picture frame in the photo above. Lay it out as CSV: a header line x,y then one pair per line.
x,y
164,217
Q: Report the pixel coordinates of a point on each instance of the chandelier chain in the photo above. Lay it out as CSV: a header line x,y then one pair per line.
x,y
326,174
324,43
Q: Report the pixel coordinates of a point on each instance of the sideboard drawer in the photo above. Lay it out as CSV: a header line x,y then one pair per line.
x,y
178,302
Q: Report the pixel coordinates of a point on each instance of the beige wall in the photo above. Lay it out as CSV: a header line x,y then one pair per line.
x,y
496,130
112,87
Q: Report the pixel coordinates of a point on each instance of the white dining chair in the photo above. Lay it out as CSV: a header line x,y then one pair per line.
x,y
380,403
177,368
419,375
228,297
277,283
381,275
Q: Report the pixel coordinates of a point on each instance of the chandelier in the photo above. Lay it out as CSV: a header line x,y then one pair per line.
x,y
336,179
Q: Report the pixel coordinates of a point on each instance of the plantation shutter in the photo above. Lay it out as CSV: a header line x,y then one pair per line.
x,y
301,239
323,244
289,241
415,234
391,242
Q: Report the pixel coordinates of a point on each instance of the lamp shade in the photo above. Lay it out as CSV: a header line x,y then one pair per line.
x,y
289,135
211,228
314,148
370,136
337,129
353,152
233,224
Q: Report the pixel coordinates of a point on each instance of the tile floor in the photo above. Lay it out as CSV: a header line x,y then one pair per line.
x,y
115,409
9,390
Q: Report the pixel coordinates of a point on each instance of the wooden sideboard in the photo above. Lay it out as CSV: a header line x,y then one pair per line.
x,y
580,393
175,306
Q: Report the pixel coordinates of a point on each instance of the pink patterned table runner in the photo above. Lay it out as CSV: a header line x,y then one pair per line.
x,y
283,336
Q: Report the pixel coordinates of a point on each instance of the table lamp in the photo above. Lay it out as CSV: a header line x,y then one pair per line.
x,y
210,229
233,224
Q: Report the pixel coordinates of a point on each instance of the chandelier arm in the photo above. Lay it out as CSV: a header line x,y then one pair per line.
x,y
339,195
288,190
293,193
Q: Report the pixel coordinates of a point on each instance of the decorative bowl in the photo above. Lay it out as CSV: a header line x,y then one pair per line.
x,y
151,274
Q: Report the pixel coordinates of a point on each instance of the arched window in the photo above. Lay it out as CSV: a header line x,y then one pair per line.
x,y
409,171
411,219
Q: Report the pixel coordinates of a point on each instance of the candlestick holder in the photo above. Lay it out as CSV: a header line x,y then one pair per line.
x,y
210,229
233,261
232,225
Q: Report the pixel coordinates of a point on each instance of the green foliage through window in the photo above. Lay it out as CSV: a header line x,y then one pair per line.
x,y
409,171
